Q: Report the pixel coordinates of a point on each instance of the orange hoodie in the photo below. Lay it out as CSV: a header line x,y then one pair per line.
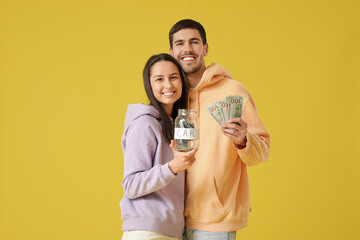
x,y
217,186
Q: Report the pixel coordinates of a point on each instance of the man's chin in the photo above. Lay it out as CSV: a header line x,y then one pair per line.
x,y
190,70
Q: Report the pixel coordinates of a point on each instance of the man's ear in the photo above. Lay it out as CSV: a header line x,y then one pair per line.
x,y
171,52
206,49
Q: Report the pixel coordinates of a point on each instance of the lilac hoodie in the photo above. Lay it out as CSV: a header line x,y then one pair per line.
x,y
154,196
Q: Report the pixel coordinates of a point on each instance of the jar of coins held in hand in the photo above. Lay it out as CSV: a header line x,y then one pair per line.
x,y
186,134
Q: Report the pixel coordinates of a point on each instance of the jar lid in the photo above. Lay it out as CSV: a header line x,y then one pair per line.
x,y
186,111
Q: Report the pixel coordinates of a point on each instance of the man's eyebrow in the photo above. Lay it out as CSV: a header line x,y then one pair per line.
x,y
191,39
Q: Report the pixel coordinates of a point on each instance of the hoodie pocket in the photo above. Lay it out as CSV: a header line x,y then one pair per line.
x,y
202,203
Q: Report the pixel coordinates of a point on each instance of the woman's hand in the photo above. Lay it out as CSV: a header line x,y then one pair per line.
x,y
182,160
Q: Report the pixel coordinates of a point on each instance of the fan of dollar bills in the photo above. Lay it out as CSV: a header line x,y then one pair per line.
x,y
226,109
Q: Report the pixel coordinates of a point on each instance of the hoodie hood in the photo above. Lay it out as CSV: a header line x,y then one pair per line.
x,y
213,73
135,111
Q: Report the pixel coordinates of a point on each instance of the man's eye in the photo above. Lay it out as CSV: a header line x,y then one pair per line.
x,y
179,44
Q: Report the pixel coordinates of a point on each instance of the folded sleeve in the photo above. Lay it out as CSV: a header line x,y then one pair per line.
x,y
258,138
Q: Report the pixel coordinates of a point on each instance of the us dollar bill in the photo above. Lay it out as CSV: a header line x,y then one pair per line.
x,y
224,105
215,110
184,123
235,106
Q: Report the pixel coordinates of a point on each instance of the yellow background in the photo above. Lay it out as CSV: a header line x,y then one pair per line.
x,y
68,69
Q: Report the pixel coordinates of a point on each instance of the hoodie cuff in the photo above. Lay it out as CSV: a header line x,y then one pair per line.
x,y
166,173
247,145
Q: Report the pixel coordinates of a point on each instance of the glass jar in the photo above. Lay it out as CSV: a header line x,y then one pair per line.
x,y
186,134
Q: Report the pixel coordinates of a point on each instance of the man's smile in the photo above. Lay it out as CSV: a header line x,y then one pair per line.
x,y
188,58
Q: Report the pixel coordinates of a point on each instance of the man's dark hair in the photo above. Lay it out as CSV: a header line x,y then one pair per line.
x,y
187,23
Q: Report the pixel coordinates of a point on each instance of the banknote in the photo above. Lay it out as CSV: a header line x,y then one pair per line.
x,y
224,105
235,106
223,110
216,111
183,123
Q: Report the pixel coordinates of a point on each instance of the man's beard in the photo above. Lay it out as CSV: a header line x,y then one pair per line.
x,y
191,69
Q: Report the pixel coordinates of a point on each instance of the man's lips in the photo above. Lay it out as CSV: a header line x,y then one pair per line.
x,y
188,58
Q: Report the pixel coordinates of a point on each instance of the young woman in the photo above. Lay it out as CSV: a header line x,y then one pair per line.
x,y
154,177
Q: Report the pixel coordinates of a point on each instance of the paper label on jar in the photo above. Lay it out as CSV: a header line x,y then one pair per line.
x,y
186,133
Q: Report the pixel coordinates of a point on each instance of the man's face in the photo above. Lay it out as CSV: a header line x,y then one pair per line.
x,y
189,50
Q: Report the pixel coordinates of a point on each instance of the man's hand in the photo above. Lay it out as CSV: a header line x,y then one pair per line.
x,y
182,160
236,129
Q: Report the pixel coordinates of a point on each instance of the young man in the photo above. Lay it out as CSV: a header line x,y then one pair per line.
x,y
217,188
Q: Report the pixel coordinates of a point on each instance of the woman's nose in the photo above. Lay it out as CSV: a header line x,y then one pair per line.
x,y
168,83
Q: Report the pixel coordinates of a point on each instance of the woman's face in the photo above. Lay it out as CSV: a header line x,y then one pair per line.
x,y
166,84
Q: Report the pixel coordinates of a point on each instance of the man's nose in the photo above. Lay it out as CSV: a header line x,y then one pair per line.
x,y
188,47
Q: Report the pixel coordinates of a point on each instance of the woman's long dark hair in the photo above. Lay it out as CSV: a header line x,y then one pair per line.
x,y
167,127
